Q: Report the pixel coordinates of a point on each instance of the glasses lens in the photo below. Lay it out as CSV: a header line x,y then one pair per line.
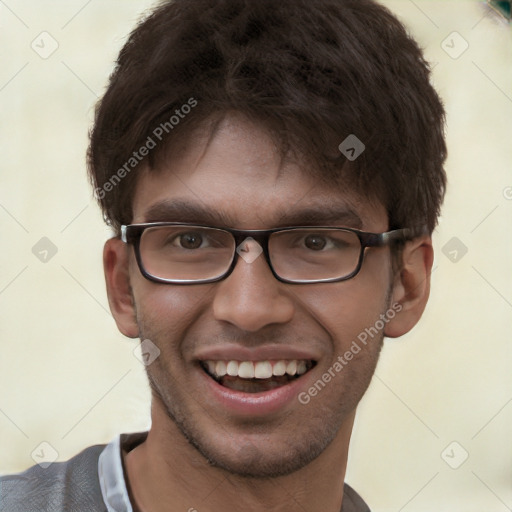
x,y
314,254
186,253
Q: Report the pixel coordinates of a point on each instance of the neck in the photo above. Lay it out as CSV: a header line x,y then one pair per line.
x,y
166,472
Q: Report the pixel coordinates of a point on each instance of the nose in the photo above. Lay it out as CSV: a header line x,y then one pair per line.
x,y
251,297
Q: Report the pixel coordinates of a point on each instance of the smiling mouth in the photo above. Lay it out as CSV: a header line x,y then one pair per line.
x,y
256,376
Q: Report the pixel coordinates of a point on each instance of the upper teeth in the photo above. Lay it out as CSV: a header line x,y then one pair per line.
x,y
256,369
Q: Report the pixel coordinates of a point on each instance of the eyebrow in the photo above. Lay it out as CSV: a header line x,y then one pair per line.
x,y
178,210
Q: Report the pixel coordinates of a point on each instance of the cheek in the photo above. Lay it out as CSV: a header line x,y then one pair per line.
x,y
166,312
347,308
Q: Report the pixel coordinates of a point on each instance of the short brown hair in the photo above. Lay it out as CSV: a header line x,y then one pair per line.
x,y
310,72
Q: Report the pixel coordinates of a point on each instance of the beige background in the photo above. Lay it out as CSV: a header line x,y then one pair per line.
x,y
68,378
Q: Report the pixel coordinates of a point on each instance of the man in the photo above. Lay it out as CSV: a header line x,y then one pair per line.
x,y
273,172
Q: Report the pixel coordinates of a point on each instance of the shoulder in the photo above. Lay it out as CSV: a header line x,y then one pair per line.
x,y
352,502
71,486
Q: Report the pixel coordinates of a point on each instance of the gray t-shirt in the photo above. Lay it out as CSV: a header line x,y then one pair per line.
x,y
92,481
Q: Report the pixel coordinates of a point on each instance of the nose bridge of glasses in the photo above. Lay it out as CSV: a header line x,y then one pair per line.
x,y
250,244
259,236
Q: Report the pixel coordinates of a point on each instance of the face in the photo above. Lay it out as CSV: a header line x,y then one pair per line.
x,y
269,428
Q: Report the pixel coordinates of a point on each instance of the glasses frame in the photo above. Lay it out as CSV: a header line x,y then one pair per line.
x,y
132,234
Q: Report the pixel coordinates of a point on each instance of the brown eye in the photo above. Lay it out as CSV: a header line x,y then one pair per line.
x,y
314,242
190,240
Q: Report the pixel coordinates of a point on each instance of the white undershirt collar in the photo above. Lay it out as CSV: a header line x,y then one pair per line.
x,y
111,475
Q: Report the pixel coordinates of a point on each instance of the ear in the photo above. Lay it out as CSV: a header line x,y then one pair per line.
x,y
411,286
116,267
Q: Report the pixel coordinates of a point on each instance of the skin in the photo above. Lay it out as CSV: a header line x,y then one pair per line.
x,y
197,455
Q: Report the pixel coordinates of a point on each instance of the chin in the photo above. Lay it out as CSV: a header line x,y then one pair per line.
x,y
252,461
265,454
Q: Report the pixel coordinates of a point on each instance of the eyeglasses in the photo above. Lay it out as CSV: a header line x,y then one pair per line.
x,y
177,253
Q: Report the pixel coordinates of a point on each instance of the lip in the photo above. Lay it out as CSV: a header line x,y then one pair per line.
x,y
232,352
254,405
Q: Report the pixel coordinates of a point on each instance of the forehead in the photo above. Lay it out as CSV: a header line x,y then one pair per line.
x,y
236,177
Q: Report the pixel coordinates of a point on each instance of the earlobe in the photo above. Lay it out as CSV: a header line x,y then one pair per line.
x,y
412,286
116,268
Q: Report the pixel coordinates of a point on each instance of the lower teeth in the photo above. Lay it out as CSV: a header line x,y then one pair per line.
x,y
253,385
